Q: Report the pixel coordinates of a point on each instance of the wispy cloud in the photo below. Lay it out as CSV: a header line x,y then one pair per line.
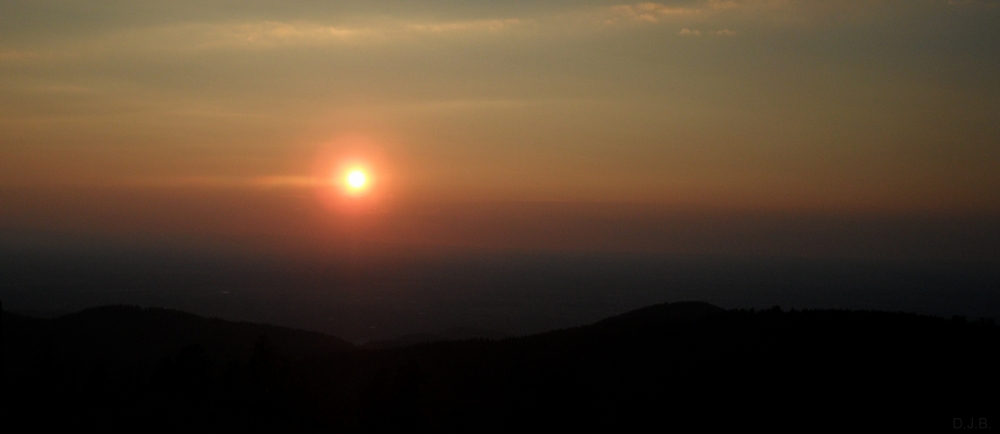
x,y
265,182
759,11
274,34
648,12
477,26
262,35
695,32
689,19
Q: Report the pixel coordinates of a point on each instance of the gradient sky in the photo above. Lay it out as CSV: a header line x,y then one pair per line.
x,y
200,115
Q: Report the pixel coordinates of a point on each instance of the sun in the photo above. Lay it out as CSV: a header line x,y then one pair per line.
x,y
356,179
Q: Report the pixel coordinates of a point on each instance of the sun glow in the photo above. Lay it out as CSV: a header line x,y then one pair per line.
x,y
356,179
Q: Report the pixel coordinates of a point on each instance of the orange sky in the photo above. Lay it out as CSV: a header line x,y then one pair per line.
x,y
211,118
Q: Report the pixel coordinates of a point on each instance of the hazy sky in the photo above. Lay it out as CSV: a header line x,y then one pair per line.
x,y
769,105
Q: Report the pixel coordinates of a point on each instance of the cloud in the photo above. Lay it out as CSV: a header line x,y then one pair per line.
x,y
649,12
279,33
772,12
266,182
695,32
373,30
270,35
251,35
477,26
284,181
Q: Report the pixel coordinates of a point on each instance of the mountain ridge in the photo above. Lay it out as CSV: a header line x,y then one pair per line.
x,y
693,358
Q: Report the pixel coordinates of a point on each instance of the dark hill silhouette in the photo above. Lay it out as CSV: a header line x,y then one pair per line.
x,y
452,334
676,365
679,311
132,341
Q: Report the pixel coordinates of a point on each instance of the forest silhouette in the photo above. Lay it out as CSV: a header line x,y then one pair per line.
x,y
674,365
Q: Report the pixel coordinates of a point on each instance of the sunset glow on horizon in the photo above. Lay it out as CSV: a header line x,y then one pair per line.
x,y
853,108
